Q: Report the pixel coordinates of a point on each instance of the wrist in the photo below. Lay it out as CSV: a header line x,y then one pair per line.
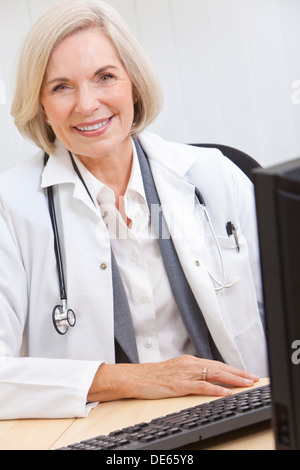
x,y
110,383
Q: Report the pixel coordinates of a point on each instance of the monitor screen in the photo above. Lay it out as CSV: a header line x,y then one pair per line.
x,y
277,192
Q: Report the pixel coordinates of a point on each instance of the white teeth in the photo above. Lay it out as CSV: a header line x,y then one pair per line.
x,y
93,128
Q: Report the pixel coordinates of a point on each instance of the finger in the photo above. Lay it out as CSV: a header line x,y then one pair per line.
x,y
206,388
222,376
235,371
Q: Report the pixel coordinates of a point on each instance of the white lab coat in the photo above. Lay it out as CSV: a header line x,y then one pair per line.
x,y
43,374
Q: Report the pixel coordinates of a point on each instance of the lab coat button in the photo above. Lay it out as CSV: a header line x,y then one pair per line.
x,y
197,263
103,266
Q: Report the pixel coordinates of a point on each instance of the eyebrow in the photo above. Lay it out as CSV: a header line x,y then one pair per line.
x,y
64,79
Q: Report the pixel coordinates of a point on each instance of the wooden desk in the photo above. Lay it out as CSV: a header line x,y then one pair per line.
x,y
43,434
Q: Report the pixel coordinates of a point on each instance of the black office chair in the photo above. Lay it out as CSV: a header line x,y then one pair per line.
x,y
241,159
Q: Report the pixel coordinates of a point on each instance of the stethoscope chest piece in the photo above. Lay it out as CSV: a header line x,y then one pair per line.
x,y
63,318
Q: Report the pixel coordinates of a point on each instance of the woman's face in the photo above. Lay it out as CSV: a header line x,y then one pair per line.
x,y
87,96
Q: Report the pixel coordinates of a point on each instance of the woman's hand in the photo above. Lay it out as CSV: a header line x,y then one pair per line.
x,y
186,375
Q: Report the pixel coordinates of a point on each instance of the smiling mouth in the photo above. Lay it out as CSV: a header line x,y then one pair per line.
x,y
93,127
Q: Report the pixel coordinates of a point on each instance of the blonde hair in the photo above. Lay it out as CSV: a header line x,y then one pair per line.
x,y
59,22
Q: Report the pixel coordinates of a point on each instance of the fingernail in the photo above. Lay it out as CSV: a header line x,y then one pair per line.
x,y
254,377
248,382
227,391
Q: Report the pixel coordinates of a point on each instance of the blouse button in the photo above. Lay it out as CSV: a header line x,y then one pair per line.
x,y
133,256
144,299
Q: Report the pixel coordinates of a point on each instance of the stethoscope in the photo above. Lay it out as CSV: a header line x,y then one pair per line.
x,y
63,317
230,228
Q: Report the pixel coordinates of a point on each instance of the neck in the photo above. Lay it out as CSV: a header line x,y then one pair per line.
x,y
113,170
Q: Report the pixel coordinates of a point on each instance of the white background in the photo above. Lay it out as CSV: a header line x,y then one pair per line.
x,y
230,70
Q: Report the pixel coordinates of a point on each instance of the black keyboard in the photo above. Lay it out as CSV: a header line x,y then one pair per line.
x,y
189,425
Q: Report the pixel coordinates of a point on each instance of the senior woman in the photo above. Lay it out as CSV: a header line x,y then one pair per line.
x,y
165,304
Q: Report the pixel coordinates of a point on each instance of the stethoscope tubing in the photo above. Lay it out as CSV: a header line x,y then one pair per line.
x,y
57,249
221,285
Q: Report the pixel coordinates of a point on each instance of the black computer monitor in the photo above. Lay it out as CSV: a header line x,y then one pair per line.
x,y
277,192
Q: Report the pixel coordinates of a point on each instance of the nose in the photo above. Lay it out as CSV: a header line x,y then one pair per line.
x,y
87,100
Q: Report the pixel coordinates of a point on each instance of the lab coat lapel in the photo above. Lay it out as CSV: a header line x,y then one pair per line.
x,y
59,170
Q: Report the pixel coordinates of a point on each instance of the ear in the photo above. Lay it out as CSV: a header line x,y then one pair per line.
x,y
135,96
45,116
